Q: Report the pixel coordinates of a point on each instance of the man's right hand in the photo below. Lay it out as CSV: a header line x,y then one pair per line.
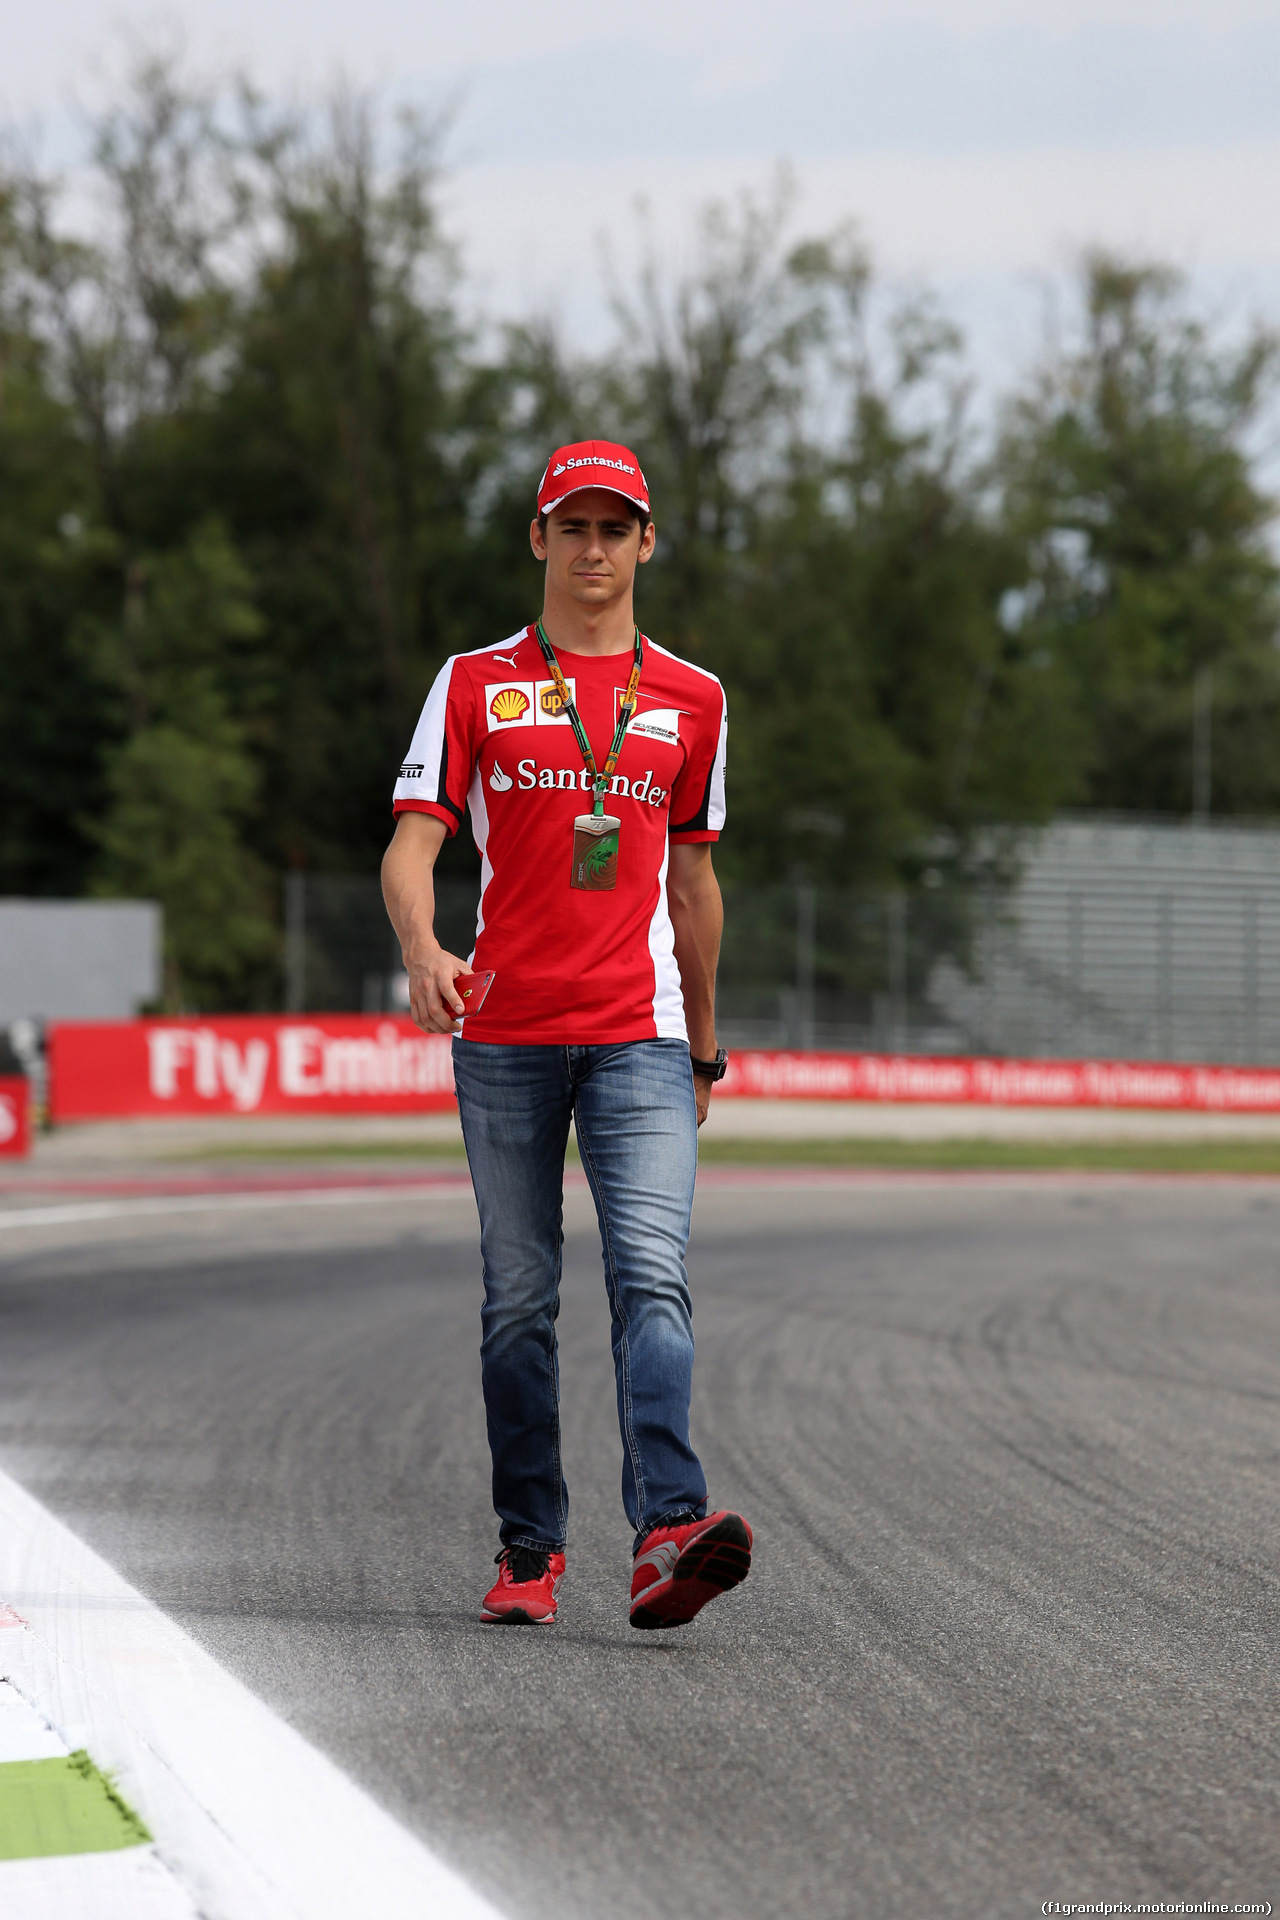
x,y
435,1007
408,887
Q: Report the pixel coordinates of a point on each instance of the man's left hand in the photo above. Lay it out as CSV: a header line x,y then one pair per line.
x,y
702,1095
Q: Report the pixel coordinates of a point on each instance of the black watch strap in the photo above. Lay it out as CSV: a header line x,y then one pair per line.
x,y
711,1069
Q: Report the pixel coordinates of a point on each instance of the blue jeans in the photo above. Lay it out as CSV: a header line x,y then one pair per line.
x,y
637,1132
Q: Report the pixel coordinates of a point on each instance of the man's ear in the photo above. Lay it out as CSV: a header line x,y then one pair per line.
x,y
537,540
647,541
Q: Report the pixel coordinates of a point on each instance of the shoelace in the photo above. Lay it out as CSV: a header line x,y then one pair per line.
x,y
525,1563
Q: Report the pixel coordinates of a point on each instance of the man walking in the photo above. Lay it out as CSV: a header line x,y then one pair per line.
x,y
592,762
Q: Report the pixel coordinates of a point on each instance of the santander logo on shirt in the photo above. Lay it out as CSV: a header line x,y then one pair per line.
x,y
530,776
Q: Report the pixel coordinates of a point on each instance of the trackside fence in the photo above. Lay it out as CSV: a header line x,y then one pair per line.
x,y
1109,940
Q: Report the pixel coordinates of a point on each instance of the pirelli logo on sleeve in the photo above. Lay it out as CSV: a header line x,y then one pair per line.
x,y
525,703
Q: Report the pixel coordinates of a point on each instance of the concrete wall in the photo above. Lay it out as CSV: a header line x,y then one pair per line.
x,y
78,959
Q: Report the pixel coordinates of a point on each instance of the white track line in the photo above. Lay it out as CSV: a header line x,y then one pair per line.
x,y
72,1212
255,1822
723,1179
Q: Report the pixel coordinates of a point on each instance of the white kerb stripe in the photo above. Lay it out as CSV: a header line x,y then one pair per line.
x,y
24,1733
133,1884
255,1821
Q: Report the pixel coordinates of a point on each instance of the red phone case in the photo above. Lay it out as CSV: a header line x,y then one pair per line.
x,y
471,989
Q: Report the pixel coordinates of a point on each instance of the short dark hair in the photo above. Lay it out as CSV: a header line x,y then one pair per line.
x,y
642,514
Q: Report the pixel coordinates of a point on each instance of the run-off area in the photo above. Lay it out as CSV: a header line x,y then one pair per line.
x,y
1008,1444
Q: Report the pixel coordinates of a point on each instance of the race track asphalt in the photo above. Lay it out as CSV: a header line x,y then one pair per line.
x,y
1011,1449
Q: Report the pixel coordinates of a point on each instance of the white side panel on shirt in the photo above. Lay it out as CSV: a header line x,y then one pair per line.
x,y
420,774
716,810
480,834
668,1000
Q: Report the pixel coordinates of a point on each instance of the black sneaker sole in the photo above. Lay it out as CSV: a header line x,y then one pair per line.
x,y
718,1559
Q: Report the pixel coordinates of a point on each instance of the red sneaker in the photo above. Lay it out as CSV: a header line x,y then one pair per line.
x,y
678,1569
524,1593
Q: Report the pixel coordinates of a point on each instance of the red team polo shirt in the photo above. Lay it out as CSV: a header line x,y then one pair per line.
x,y
570,968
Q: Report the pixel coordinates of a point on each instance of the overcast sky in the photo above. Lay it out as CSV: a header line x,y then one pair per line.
x,y
977,145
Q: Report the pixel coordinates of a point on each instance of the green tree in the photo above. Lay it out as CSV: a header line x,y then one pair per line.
x,y
181,784
825,545
257,480
51,724
127,623
260,336
1127,484
343,446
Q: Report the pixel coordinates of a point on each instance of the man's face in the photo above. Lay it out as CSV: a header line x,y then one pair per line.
x,y
592,547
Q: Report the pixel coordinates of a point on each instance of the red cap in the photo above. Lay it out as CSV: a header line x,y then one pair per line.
x,y
592,463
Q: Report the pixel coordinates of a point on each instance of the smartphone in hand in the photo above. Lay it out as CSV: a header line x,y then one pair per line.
x,y
471,989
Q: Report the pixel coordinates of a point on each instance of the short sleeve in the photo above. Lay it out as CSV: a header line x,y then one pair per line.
x,y
697,799
435,777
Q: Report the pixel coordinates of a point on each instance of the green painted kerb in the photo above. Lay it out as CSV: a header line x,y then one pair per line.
x,y
62,1806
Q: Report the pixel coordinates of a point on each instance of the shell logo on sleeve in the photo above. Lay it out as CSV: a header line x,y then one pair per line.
x,y
509,704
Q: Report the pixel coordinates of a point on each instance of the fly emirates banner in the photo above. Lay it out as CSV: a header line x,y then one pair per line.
x,y
314,1063
356,1063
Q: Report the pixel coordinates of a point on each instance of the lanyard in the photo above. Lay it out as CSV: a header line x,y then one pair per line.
x,y
600,780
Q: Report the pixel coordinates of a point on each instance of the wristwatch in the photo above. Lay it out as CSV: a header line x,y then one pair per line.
x,y
711,1069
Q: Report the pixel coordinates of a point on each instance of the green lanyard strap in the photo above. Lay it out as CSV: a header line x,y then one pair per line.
x,y
599,779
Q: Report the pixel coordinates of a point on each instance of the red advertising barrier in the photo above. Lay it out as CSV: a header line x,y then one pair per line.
x,y
353,1063
242,1063
1001,1083
15,1113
